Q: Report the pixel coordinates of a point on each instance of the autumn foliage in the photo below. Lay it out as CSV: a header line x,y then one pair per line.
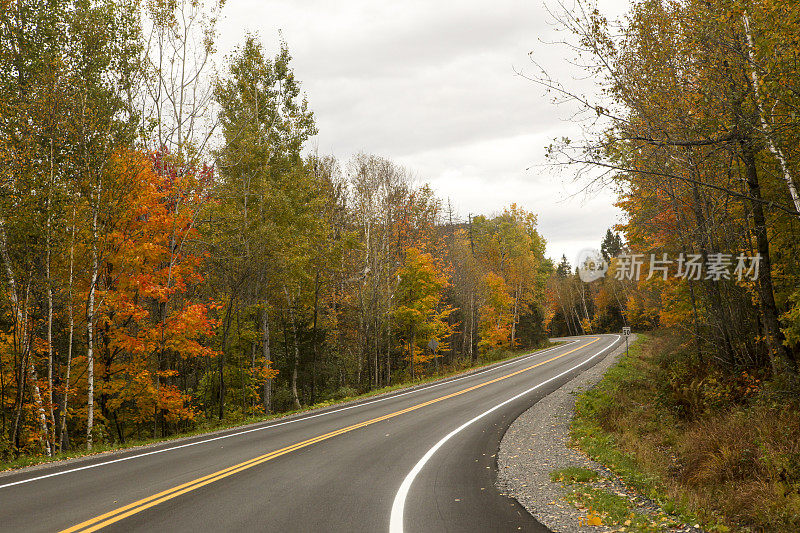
x,y
173,258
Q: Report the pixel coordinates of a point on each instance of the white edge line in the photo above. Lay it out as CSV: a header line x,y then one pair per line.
x,y
274,425
398,506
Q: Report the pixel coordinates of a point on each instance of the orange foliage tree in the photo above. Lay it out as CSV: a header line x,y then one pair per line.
x,y
150,332
419,312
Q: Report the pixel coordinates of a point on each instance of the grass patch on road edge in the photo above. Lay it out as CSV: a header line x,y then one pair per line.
x,y
621,388
609,509
589,492
719,448
573,474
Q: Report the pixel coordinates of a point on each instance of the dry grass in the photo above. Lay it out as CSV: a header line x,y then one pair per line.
x,y
724,450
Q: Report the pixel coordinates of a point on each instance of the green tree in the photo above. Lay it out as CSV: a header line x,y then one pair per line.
x,y
611,245
266,223
419,311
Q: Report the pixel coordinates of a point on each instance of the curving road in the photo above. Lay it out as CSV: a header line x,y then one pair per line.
x,y
416,460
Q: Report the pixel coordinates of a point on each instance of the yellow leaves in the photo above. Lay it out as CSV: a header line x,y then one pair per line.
x,y
419,291
496,316
592,518
174,403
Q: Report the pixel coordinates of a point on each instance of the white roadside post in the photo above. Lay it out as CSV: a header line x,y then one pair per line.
x,y
626,331
433,345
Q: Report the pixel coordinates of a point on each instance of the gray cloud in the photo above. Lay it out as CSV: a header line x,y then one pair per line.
x,y
431,85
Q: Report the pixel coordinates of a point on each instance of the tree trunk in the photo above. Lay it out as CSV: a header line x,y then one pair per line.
x,y
722,321
2,397
411,350
766,128
296,348
21,377
567,320
19,331
62,432
585,309
265,354
37,396
473,353
376,356
388,352
52,421
782,361
225,331
314,340
684,250
90,336
514,318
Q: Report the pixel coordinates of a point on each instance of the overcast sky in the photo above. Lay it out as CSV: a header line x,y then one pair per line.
x,y
432,86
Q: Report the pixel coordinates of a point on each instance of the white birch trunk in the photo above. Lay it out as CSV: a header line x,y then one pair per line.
x,y
64,400
22,321
90,328
52,420
766,128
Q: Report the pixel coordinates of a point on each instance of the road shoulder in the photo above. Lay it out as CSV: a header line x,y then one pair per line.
x,y
537,444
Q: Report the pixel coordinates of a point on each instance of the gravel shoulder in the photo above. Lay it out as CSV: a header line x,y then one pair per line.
x,y
536,444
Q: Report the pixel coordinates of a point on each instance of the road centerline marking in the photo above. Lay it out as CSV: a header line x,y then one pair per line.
x,y
278,422
120,513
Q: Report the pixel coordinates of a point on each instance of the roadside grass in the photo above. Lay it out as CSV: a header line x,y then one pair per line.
x,y
719,451
573,474
586,492
604,508
206,425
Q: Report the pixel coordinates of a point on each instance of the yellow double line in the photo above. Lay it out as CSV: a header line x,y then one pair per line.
x,y
121,513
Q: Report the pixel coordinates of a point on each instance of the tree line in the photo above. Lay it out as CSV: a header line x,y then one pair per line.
x,y
696,128
173,253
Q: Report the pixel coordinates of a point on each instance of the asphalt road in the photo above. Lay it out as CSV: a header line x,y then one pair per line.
x,y
414,461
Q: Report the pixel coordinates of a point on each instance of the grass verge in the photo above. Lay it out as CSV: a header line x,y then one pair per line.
x,y
573,474
719,450
607,509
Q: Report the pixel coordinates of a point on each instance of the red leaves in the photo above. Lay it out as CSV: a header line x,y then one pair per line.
x,y
147,319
